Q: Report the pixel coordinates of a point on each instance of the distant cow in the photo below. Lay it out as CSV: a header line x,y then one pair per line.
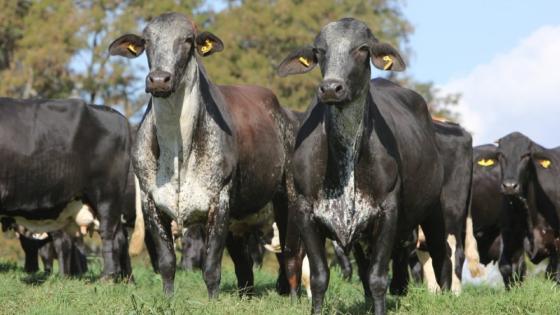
x,y
528,206
64,164
205,153
366,164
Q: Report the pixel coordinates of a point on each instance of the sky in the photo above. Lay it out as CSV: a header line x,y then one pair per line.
x,y
502,56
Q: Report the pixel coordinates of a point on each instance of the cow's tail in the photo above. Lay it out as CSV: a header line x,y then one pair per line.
x,y
137,239
471,250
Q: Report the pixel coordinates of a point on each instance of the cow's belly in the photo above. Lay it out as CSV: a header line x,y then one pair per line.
x,y
75,217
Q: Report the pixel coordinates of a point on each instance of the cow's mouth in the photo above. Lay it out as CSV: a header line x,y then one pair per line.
x,y
161,94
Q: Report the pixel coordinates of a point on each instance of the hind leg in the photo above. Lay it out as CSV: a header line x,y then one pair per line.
x,y
434,230
290,258
363,268
243,264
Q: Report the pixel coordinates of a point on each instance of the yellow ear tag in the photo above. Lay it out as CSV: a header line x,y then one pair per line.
x,y
132,49
388,62
207,47
304,61
545,163
485,162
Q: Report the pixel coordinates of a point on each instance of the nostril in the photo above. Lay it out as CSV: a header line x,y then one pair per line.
x,y
151,79
166,79
322,89
338,88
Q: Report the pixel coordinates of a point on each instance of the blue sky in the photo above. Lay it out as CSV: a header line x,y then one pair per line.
x,y
503,56
453,37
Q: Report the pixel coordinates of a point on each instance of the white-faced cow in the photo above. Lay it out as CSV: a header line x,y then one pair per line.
x,y
205,153
366,163
64,164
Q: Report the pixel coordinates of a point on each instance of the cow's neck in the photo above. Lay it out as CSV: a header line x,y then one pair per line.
x,y
177,115
345,128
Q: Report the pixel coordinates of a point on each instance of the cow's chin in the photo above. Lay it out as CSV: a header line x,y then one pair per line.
x,y
161,94
340,103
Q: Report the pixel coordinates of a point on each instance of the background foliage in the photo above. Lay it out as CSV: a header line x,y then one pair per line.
x,y
58,48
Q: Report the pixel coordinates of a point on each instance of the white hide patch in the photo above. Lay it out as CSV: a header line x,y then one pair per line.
x,y
306,276
345,206
455,281
72,219
187,180
428,271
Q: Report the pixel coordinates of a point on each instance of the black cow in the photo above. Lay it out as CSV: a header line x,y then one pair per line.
x,y
486,202
455,148
366,163
57,154
528,212
206,153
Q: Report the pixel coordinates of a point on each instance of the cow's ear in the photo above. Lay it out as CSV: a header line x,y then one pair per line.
x,y
300,61
129,46
208,43
385,57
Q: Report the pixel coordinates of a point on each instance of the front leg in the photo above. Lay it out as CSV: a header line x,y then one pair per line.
x,y
383,239
315,247
159,227
217,231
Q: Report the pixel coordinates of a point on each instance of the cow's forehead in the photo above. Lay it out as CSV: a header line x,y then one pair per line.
x,y
515,142
352,31
169,25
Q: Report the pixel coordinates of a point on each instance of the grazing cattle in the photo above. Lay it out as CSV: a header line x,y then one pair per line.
x,y
64,165
528,218
366,164
455,147
205,153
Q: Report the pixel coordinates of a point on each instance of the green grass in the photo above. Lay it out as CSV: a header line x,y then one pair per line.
x,y
24,294
37,294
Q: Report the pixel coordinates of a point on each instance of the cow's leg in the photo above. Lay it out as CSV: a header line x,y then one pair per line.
x,y
511,263
363,268
47,256
315,248
343,261
383,238
124,258
216,234
151,248
243,263
31,251
291,258
434,230
63,247
415,267
457,259
552,267
159,228
399,282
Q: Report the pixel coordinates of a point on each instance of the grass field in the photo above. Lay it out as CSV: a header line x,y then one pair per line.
x,y
37,294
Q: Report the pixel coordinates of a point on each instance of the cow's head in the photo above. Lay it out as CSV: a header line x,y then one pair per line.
x,y
193,247
170,41
514,155
343,50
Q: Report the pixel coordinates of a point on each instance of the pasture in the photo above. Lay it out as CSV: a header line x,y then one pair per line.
x,y
24,294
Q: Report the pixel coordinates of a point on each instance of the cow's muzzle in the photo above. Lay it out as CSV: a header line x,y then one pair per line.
x,y
333,91
159,83
510,187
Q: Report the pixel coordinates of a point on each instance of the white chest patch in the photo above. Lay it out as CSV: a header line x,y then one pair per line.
x,y
187,176
73,219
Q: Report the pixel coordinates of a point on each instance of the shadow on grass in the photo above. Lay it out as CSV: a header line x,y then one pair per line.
x,y
261,289
8,266
37,278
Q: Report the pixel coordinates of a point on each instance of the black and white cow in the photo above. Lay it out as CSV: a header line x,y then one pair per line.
x,y
366,163
206,153
64,165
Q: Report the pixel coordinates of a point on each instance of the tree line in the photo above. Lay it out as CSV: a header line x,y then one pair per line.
x,y
58,48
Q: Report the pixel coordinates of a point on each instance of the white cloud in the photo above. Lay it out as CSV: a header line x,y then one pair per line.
x,y
516,91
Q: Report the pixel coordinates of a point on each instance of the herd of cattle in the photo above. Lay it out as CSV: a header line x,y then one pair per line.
x,y
366,166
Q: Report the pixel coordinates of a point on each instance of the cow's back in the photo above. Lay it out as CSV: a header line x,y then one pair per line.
x,y
407,117
52,151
